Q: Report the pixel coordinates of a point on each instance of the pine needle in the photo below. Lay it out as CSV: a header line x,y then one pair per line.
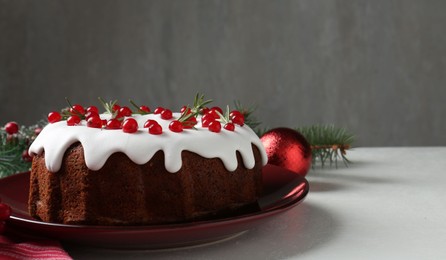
x,y
328,143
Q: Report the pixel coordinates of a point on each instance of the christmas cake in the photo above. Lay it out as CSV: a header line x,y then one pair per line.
x,y
127,167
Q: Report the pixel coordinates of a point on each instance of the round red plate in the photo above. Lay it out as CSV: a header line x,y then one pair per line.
x,y
283,190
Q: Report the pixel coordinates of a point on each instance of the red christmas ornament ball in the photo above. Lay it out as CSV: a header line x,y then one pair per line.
x,y
11,128
287,148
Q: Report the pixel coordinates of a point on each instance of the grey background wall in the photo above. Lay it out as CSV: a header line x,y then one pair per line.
x,y
377,67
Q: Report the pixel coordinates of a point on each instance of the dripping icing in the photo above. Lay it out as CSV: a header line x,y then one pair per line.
x,y
100,144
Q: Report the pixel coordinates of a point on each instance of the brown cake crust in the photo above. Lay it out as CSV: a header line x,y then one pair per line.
x,y
124,193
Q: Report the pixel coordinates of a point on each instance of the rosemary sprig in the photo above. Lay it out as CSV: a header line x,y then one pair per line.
x,y
198,105
108,106
138,108
224,118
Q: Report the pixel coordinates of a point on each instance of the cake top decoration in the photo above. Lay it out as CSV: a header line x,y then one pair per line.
x,y
140,133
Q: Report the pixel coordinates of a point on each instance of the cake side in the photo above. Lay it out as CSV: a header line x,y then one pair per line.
x,y
124,193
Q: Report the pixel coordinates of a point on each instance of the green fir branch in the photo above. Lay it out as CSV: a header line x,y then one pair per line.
x,y
250,119
12,148
11,161
328,143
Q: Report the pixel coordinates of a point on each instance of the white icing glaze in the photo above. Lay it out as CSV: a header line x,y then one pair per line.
x,y
99,144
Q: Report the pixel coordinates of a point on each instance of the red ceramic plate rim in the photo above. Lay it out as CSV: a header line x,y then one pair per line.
x,y
283,191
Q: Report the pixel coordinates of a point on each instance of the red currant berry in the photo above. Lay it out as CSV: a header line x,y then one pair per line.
x,y
77,110
5,211
185,110
176,126
155,129
113,124
229,126
26,157
213,114
190,123
124,111
238,119
235,113
144,109
204,110
73,120
92,109
130,125
208,116
54,117
37,131
12,128
94,121
206,122
217,109
215,127
91,114
158,110
214,111
116,107
166,114
193,120
149,122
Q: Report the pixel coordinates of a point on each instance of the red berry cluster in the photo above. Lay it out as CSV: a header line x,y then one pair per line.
x,y
212,117
122,117
5,213
187,120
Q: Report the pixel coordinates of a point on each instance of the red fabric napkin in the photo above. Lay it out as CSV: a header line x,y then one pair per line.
x,y
13,247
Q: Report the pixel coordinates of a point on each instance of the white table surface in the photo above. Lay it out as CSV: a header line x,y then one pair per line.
x,y
390,203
